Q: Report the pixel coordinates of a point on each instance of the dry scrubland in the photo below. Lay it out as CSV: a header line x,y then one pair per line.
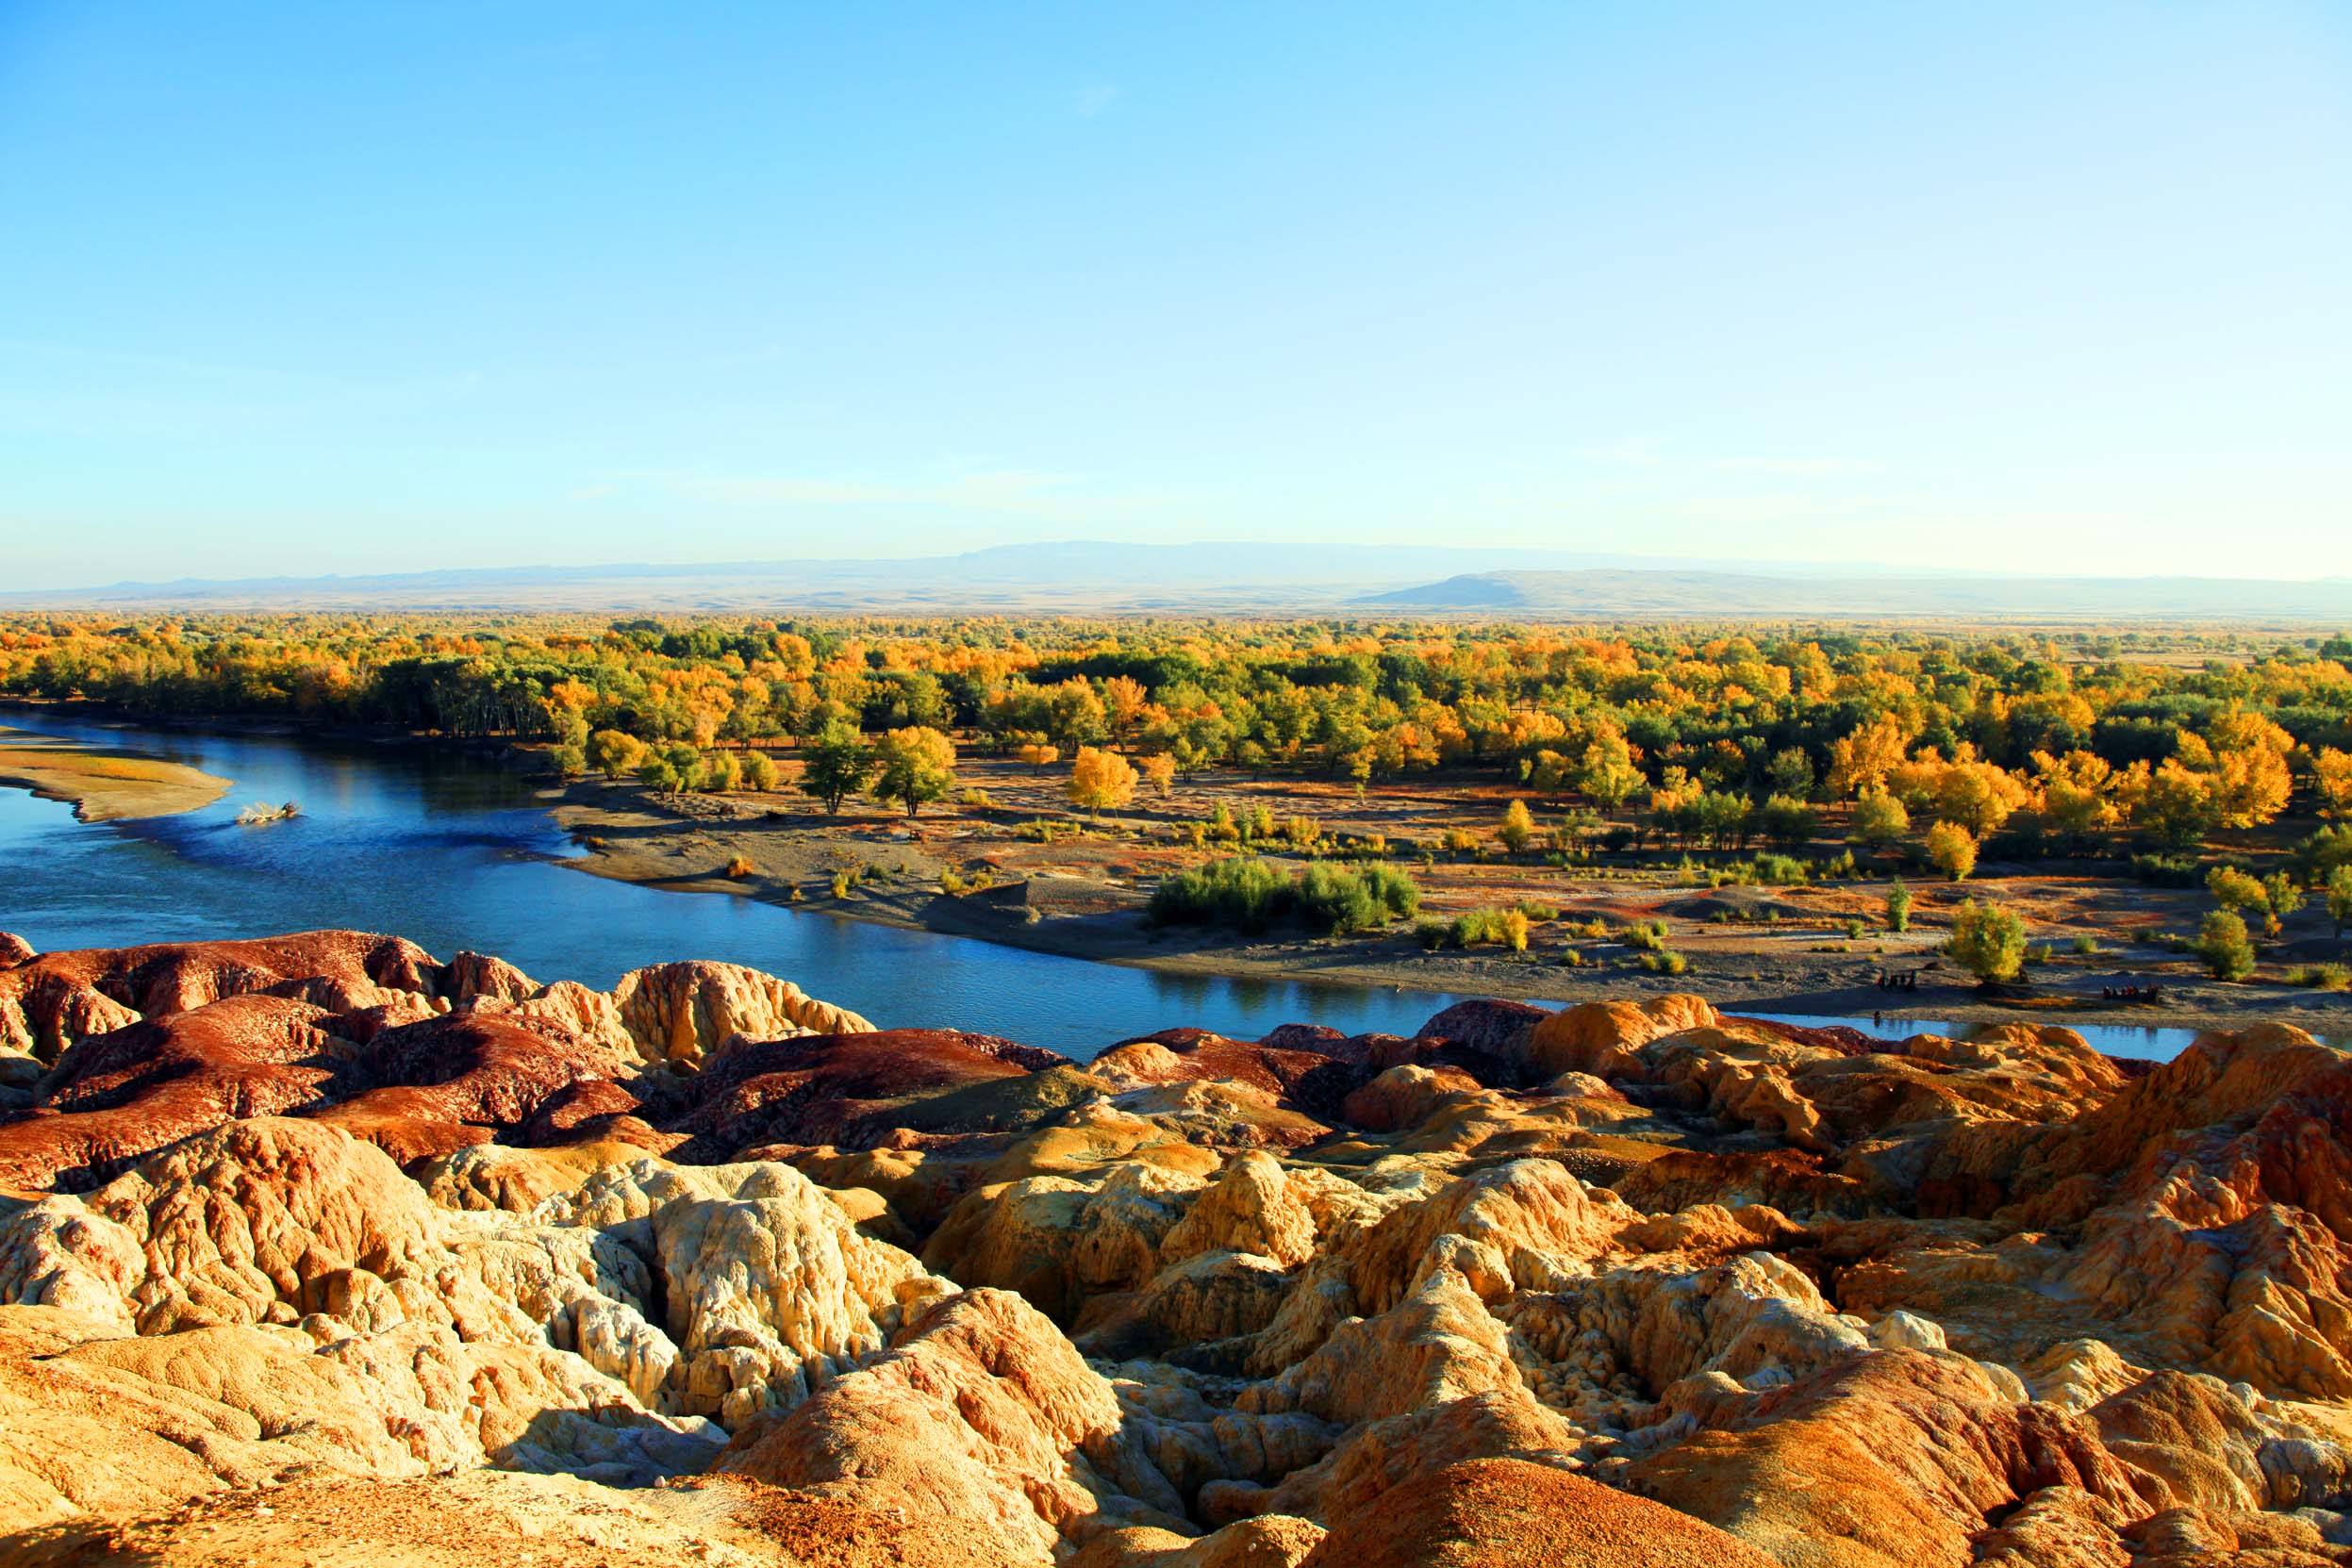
x,y
320,1248
1721,806
1818,945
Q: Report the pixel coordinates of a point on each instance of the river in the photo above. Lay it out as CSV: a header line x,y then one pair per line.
x,y
454,851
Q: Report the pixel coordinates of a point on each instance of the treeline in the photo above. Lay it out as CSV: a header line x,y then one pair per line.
x,y
2061,743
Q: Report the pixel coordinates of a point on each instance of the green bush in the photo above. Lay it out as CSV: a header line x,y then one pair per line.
x,y
2320,854
1645,935
2165,871
1239,891
1481,927
2322,977
2222,942
1666,961
1899,906
2086,945
1249,894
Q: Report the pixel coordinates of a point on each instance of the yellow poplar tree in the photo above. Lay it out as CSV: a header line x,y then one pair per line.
x,y
1098,779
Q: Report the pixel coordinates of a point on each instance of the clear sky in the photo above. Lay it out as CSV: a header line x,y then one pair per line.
x,y
311,288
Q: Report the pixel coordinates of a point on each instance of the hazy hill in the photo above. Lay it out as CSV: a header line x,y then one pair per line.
x,y
1096,577
1075,575
1610,594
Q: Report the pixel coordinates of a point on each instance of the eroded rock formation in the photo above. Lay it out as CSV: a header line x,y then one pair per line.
x,y
319,1238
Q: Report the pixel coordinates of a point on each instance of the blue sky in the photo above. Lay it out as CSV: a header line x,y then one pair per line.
x,y
300,289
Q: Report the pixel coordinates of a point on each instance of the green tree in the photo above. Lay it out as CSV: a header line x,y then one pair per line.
x,y
1988,941
1790,772
2282,894
1897,906
655,771
759,772
1880,820
2340,897
915,765
838,765
2233,890
2223,943
1787,821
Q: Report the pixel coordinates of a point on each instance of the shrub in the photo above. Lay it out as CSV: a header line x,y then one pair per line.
x,y
1645,935
1479,927
2086,945
1988,941
739,867
979,800
2324,852
1460,841
1537,910
1336,901
1879,820
1778,871
1432,933
2322,977
2222,942
1898,907
1394,886
2281,894
1249,894
1519,828
1666,961
2165,871
2234,890
1239,891
842,882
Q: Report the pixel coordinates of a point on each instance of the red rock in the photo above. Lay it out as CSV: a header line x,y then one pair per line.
x,y
1511,1513
119,1096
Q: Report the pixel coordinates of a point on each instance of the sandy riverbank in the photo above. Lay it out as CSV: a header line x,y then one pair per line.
x,y
103,785
782,855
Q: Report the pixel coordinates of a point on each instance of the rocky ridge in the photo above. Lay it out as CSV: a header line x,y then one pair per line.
x,y
318,1240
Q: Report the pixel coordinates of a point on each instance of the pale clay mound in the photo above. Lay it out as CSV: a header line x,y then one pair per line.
x,y
316,1249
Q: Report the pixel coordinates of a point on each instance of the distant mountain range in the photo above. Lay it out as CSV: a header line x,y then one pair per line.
x,y
1610,594
1092,577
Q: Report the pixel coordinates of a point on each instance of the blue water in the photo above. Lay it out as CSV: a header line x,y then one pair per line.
x,y
457,851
